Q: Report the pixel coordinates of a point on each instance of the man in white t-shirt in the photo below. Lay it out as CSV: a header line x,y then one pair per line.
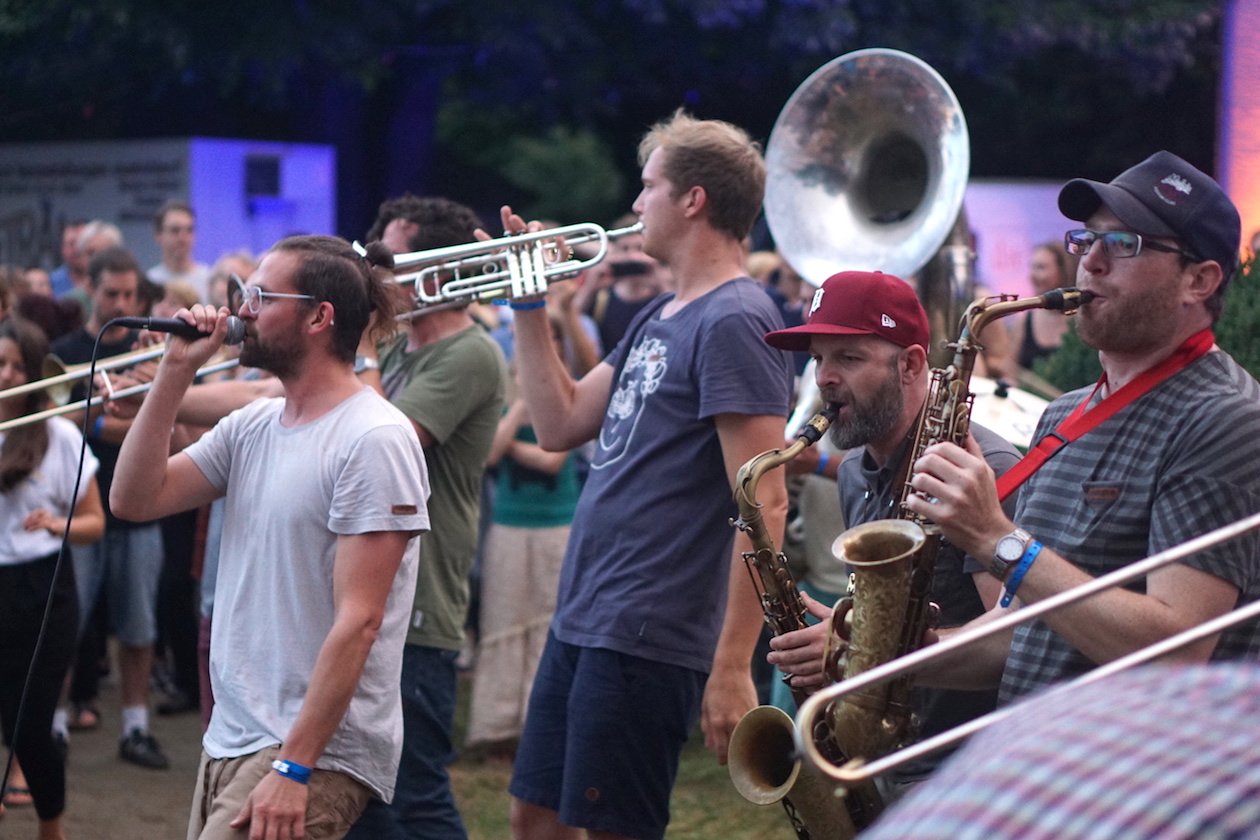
x,y
325,490
175,230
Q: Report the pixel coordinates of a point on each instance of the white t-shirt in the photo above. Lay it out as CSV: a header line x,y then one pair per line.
x,y
289,493
49,486
198,277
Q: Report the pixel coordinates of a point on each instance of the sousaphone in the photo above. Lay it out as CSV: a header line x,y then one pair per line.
x,y
866,169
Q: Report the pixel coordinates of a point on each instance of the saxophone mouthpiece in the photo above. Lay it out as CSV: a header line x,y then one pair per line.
x,y
1067,300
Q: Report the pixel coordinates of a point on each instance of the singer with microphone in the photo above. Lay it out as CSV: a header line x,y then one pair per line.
x,y
127,561
325,492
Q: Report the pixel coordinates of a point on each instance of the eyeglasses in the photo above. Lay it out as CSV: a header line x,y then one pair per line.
x,y
249,298
1117,244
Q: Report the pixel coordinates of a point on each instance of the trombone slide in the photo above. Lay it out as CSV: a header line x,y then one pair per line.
x,y
131,391
857,772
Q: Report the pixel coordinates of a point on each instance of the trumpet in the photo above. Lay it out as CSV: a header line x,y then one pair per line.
x,y
859,772
512,266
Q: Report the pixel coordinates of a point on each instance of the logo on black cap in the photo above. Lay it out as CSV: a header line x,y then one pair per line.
x,y
1177,185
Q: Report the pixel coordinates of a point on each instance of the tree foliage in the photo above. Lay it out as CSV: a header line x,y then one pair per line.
x,y
1050,87
1238,330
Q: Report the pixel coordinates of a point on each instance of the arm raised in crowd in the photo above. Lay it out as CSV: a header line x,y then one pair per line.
x,y
565,412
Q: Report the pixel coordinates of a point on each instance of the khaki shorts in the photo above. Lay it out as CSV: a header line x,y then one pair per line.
x,y
334,800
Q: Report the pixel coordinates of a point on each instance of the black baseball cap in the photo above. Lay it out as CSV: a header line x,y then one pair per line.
x,y
1164,196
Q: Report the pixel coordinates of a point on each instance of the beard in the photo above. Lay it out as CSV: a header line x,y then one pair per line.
x,y
280,357
870,418
1131,324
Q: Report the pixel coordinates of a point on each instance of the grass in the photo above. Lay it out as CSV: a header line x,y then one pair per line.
x,y
705,806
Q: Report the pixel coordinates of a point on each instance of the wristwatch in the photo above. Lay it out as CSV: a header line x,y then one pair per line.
x,y
362,363
1008,552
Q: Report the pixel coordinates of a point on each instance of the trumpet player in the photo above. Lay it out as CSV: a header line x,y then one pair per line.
x,y
448,377
656,618
1162,449
868,335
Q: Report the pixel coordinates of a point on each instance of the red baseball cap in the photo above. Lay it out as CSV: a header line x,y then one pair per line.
x,y
860,303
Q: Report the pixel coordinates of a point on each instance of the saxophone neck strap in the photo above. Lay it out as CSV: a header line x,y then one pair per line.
x,y
1084,419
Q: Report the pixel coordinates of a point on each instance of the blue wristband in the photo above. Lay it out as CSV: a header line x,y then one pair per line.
x,y
823,459
292,770
1017,577
98,426
525,307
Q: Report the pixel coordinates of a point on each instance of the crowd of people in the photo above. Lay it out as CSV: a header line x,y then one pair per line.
x,y
308,548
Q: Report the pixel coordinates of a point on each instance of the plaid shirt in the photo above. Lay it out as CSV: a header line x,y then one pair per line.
x,y
1158,752
1178,462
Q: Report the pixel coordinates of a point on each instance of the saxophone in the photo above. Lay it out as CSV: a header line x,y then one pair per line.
x,y
762,761
889,606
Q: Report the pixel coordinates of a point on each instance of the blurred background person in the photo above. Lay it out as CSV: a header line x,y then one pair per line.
x,y
94,237
73,271
761,264
127,563
535,495
632,280
35,280
39,469
1039,332
175,231
218,288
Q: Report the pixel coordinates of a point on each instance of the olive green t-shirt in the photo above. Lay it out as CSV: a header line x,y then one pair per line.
x,y
453,388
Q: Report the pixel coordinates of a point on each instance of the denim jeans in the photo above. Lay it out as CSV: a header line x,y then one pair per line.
x,y
423,805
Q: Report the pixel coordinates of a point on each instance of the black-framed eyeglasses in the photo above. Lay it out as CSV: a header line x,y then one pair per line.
x,y
248,297
1117,244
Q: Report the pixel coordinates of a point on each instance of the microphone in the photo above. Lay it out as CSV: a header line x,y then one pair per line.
x,y
181,328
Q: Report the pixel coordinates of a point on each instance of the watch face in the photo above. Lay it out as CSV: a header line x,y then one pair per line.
x,y
1010,547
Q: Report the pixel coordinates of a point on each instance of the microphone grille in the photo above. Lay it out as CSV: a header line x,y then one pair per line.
x,y
235,330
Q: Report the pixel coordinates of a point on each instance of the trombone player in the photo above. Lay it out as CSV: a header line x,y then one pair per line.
x,y
1162,449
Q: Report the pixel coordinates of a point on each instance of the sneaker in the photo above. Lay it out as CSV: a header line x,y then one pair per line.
x,y
141,748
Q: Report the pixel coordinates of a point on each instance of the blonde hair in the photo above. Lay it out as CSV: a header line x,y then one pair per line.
x,y
716,156
182,291
761,264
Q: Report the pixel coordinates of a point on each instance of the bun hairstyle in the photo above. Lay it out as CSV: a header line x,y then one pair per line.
x,y
387,298
359,286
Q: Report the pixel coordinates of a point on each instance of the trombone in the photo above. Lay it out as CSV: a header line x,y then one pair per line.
x,y
58,375
512,266
858,771
58,384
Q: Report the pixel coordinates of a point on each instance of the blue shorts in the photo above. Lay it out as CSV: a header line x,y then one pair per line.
x,y
602,738
126,563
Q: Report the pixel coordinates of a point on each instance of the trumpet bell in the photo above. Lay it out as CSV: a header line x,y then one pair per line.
x,y
866,166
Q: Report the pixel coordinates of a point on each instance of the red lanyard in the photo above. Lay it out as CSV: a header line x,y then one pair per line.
x,y
1080,421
